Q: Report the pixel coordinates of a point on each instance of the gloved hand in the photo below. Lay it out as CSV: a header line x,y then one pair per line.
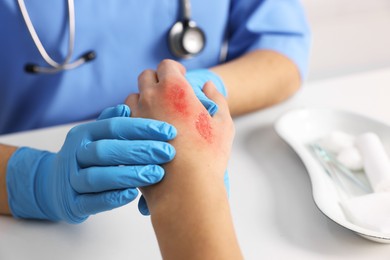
x,y
98,168
197,78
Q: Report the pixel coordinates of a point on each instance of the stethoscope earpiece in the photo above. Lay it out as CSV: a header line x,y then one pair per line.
x,y
186,39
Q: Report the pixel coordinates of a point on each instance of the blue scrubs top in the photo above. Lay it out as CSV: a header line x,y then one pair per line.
x,y
128,37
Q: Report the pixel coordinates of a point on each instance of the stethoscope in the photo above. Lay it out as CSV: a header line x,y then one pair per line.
x,y
185,40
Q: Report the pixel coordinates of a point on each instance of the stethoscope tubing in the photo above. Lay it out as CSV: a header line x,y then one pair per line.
x,y
38,43
176,40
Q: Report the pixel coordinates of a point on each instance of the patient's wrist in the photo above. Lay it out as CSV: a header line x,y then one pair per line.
x,y
196,203
182,187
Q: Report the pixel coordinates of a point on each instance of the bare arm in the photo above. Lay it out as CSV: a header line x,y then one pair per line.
x,y
5,152
257,80
189,208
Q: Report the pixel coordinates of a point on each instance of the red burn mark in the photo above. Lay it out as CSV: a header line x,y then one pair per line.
x,y
204,127
176,96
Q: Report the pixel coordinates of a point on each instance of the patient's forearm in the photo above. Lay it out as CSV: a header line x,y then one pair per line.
x,y
5,154
191,211
189,208
258,79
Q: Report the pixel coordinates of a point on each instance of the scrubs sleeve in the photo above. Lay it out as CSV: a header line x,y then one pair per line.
x,y
278,25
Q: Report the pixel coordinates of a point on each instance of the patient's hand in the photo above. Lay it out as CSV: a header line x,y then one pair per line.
x,y
203,143
189,207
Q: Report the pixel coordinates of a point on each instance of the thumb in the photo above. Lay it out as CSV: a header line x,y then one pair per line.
x,y
118,111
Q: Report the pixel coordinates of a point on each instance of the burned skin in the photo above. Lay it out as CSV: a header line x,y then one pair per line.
x,y
177,98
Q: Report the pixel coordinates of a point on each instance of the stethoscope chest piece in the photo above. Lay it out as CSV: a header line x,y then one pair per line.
x,y
186,39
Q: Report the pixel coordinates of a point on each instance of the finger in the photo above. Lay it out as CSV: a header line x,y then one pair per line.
x,y
212,93
148,78
143,206
118,111
124,152
199,77
170,68
99,179
127,128
94,203
132,101
196,80
210,105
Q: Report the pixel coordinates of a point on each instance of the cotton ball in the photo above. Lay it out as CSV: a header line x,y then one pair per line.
x,y
337,141
351,158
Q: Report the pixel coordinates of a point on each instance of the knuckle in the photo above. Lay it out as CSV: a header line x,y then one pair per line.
x,y
167,62
99,150
147,93
75,182
145,73
88,181
74,131
82,183
173,83
131,100
113,124
147,99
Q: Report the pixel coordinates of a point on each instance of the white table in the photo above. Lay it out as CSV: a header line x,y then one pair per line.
x,y
274,213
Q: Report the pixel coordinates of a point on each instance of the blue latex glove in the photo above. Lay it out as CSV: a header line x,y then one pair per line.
x,y
98,168
118,111
197,79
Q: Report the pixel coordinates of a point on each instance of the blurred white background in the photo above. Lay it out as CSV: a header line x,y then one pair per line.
x,y
348,36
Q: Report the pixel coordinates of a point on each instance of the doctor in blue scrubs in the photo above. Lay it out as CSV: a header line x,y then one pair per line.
x,y
65,61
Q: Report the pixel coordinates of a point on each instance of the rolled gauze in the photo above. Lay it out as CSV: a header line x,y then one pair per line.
x,y
370,211
375,160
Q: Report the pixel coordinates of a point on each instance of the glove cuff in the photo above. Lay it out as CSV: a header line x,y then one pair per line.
x,y
204,75
21,182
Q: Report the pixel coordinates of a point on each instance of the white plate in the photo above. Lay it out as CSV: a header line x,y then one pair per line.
x,y
304,126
